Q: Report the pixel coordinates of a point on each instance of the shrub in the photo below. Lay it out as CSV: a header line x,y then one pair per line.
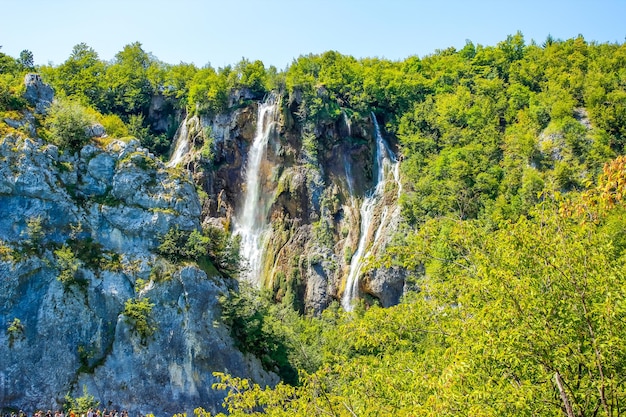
x,y
212,243
137,313
15,331
68,123
255,330
68,265
82,404
114,126
10,94
178,245
6,253
34,235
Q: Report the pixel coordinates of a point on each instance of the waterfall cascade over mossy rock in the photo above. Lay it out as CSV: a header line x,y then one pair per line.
x,y
307,188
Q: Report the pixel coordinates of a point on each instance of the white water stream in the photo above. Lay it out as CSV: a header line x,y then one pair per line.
x,y
250,222
385,163
181,139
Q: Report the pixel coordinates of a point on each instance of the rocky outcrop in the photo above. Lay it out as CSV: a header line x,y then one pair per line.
x,y
38,93
314,188
78,237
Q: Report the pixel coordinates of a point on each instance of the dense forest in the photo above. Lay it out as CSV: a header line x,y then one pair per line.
x,y
514,221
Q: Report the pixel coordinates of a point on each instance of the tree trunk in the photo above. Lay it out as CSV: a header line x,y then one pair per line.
x,y
566,404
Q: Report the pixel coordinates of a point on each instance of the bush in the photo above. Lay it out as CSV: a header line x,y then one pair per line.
x,y
34,235
68,123
68,265
6,253
179,245
137,313
212,243
15,331
81,405
114,126
248,313
10,93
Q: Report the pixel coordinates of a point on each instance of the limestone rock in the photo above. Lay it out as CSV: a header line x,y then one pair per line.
x,y
311,198
38,93
386,285
96,130
109,207
180,358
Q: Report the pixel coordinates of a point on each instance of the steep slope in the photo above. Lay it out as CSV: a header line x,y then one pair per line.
x,y
85,297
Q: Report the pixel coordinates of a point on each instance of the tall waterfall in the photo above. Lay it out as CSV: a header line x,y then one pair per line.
x,y
250,222
386,163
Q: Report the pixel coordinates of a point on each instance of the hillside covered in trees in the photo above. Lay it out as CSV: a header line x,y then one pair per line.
x,y
513,231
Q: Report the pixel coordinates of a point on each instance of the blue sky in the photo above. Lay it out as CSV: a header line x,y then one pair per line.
x,y
277,31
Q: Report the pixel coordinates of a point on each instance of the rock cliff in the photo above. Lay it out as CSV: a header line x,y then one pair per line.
x,y
313,183
78,239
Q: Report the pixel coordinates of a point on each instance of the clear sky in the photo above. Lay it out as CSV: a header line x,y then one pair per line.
x,y
277,31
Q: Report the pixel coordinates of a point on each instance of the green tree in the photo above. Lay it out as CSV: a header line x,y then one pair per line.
x,y
252,325
8,65
251,75
26,60
208,91
130,89
68,123
177,82
81,76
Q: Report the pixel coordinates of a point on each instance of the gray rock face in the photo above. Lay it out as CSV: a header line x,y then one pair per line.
x,y
38,93
387,285
96,130
180,358
112,205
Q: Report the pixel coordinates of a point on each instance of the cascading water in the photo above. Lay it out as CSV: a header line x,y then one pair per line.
x,y
385,163
181,139
250,223
348,123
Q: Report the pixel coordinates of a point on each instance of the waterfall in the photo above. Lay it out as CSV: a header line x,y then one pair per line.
x,y
181,139
348,123
250,223
385,163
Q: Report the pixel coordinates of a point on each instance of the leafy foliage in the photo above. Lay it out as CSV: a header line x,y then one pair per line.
x,y
68,123
82,404
518,227
255,330
15,331
137,312
215,244
68,265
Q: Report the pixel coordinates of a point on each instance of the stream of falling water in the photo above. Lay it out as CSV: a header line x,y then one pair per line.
x,y
181,139
385,163
250,223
